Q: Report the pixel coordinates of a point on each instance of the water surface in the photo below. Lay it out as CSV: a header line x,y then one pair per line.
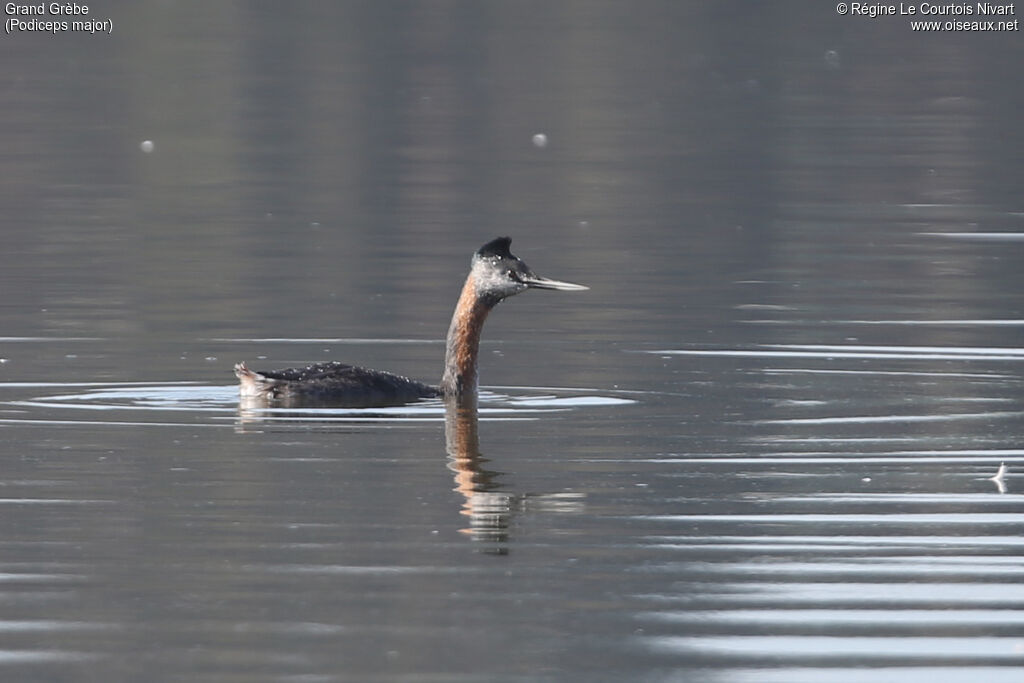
x,y
760,448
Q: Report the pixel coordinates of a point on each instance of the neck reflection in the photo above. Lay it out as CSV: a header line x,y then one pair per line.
x,y
488,508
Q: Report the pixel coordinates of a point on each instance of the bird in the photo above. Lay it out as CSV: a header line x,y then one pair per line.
x,y
494,275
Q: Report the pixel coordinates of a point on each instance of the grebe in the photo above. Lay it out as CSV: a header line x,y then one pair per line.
x,y
494,275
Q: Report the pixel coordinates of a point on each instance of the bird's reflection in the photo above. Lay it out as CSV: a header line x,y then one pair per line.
x,y
487,506
256,413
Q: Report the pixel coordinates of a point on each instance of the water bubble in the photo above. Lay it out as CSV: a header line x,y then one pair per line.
x,y
146,146
832,59
540,140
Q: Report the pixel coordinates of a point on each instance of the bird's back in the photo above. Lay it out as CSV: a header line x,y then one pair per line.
x,y
333,383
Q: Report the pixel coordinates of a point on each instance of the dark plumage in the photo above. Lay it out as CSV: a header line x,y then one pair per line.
x,y
335,384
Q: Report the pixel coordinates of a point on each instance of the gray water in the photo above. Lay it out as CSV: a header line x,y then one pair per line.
x,y
760,448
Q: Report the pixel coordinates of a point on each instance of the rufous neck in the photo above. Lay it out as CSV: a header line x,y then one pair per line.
x,y
463,345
